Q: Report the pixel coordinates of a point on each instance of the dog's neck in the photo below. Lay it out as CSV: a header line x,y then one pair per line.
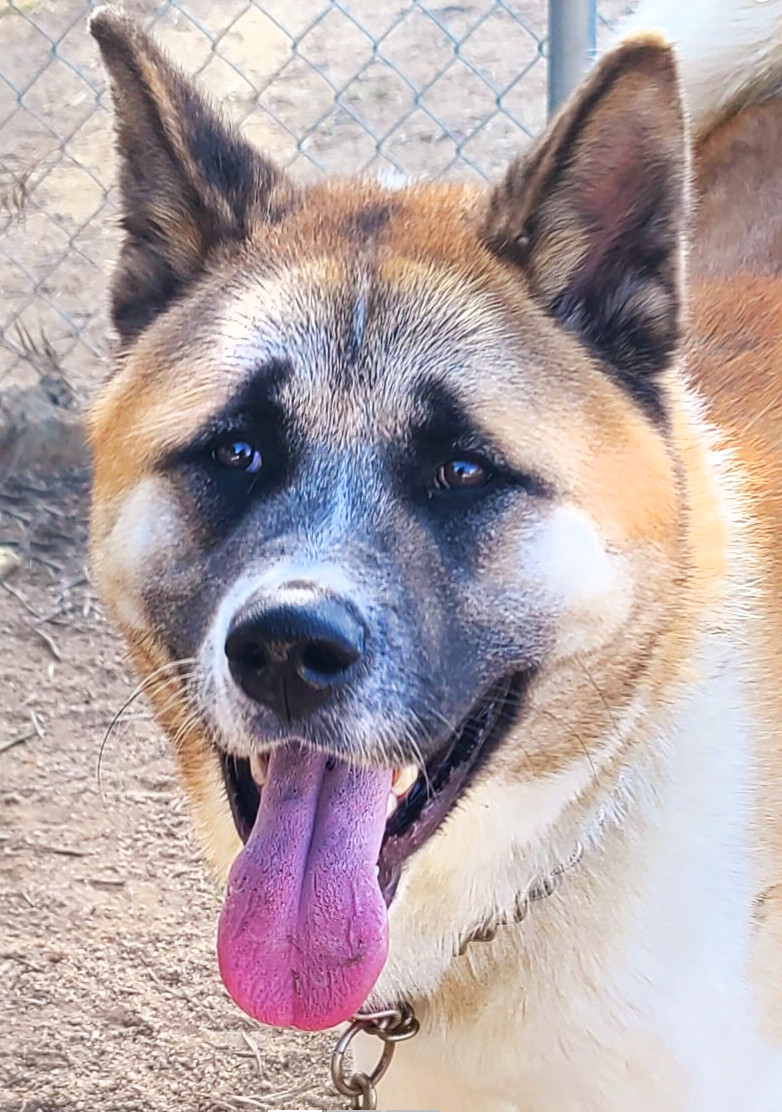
x,y
666,859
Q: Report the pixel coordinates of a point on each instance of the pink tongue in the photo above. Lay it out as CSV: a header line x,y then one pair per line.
x,y
303,933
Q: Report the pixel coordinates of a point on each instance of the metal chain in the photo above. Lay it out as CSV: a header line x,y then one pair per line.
x,y
540,890
391,1026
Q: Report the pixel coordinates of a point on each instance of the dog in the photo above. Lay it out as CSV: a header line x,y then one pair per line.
x,y
442,525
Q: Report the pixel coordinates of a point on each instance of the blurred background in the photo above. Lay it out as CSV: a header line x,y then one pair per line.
x,y
109,993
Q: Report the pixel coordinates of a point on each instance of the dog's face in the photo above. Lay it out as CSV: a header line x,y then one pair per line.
x,y
386,508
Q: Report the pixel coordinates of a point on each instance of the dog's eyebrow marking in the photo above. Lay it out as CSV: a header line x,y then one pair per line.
x,y
264,381
260,391
441,417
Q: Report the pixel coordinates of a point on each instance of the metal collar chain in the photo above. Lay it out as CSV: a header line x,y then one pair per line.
x,y
538,890
391,1027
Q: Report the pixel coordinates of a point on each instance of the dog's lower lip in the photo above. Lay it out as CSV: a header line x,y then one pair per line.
x,y
425,804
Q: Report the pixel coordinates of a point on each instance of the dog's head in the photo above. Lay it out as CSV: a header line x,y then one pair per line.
x,y
387,508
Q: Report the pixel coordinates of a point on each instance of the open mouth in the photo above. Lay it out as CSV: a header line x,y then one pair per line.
x,y
303,935
419,800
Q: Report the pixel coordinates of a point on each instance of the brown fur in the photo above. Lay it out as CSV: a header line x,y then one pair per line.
x,y
739,195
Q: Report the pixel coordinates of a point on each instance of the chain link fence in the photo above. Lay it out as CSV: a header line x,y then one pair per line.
x,y
423,87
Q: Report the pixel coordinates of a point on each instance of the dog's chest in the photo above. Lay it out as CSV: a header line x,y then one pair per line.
x,y
630,989
514,1060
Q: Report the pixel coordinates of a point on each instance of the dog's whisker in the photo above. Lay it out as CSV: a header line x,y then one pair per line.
x,y
159,675
191,720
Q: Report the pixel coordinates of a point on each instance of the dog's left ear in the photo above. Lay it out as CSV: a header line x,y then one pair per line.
x,y
594,215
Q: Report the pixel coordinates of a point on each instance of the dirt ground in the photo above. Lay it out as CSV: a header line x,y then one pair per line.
x,y
110,999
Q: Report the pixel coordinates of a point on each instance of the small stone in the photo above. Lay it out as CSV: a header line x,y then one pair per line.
x,y
9,561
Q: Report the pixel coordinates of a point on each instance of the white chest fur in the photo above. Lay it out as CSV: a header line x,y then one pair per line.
x,y
629,990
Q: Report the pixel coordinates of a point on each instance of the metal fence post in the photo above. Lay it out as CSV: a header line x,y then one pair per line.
x,y
572,30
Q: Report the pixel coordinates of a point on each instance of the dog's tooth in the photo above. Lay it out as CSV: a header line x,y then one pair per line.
x,y
404,778
391,806
258,767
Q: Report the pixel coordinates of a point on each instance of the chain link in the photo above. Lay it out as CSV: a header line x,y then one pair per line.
x,y
541,889
392,1026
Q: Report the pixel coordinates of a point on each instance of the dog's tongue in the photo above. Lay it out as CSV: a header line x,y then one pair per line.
x,y
303,934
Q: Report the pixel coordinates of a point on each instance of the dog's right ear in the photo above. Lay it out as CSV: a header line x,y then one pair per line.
x,y
189,185
593,218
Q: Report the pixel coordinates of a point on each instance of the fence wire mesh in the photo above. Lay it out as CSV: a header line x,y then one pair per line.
x,y
424,88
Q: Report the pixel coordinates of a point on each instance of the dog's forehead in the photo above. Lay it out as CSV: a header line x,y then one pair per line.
x,y
369,294
362,339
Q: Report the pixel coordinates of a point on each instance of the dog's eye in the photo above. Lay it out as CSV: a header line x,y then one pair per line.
x,y
238,455
461,474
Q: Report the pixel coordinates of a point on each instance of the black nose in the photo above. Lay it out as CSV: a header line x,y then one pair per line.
x,y
293,655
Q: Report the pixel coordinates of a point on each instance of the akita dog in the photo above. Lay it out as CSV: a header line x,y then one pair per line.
x,y
443,526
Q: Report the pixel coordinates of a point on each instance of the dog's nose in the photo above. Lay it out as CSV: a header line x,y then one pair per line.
x,y
292,655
